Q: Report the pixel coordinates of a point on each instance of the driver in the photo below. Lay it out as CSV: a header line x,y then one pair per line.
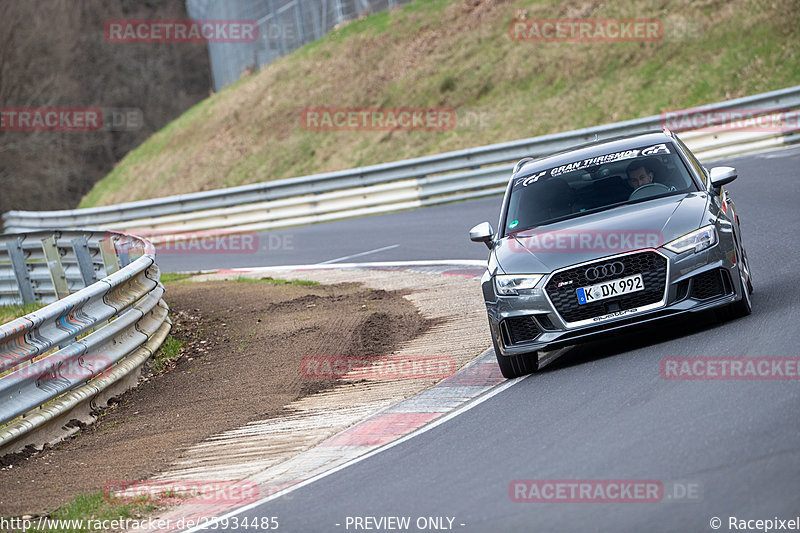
x,y
639,173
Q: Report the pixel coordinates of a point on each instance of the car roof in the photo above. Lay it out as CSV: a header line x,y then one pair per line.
x,y
592,149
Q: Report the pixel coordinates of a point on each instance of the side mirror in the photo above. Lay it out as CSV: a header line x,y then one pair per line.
x,y
482,233
720,176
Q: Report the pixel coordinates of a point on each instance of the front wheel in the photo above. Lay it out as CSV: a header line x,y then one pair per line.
x,y
743,307
514,366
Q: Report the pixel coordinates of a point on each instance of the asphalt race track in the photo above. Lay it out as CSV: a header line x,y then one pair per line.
x,y
434,233
600,412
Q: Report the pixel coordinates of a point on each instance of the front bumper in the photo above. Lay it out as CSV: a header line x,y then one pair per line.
x,y
692,282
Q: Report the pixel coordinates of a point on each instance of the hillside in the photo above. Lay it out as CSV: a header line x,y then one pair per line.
x,y
459,54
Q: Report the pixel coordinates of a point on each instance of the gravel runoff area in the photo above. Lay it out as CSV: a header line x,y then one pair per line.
x,y
237,404
451,302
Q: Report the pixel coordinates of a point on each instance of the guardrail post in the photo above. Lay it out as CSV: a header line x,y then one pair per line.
x,y
124,257
134,253
54,266
81,247
109,254
125,250
20,270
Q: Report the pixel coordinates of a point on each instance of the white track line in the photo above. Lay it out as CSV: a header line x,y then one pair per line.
x,y
437,422
319,266
376,250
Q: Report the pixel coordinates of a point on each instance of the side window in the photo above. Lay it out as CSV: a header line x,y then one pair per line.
x,y
701,171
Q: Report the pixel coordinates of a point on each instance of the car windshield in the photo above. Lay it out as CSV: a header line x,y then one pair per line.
x,y
601,182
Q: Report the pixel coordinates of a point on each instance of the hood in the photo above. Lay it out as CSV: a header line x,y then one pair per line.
x,y
648,224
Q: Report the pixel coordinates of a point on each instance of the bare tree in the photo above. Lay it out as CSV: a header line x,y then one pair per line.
x,y
53,53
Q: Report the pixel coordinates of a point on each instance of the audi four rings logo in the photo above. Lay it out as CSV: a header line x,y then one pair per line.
x,y
603,271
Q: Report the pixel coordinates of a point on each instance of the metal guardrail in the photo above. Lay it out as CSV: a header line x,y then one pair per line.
x,y
446,177
64,355
46,267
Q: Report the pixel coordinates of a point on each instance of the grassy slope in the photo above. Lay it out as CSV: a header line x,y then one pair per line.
x,y
458,53
10,312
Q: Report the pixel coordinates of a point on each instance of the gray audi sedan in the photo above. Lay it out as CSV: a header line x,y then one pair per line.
x,y
607,236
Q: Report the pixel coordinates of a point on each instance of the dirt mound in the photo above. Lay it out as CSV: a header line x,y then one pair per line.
x,y
242,348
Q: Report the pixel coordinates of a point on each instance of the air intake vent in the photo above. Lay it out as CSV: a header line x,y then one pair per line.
x,y
710,285
519,329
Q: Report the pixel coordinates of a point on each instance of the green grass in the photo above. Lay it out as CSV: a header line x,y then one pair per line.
x,y
274,281
10,312
174,277
169,350
91,507
455,54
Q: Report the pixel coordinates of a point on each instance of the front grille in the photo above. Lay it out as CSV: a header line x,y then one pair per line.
x,y
711,284
519,329
652,267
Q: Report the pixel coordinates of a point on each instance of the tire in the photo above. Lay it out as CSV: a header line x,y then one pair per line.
x,y
514,366
743,307
749,272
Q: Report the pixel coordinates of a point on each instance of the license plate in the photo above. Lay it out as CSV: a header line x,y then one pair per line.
x,y
610,289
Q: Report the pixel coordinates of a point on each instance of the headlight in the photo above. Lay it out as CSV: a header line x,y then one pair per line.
x,y
698,240
512,284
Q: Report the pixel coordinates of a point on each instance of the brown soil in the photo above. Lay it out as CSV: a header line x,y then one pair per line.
x,y
243,343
